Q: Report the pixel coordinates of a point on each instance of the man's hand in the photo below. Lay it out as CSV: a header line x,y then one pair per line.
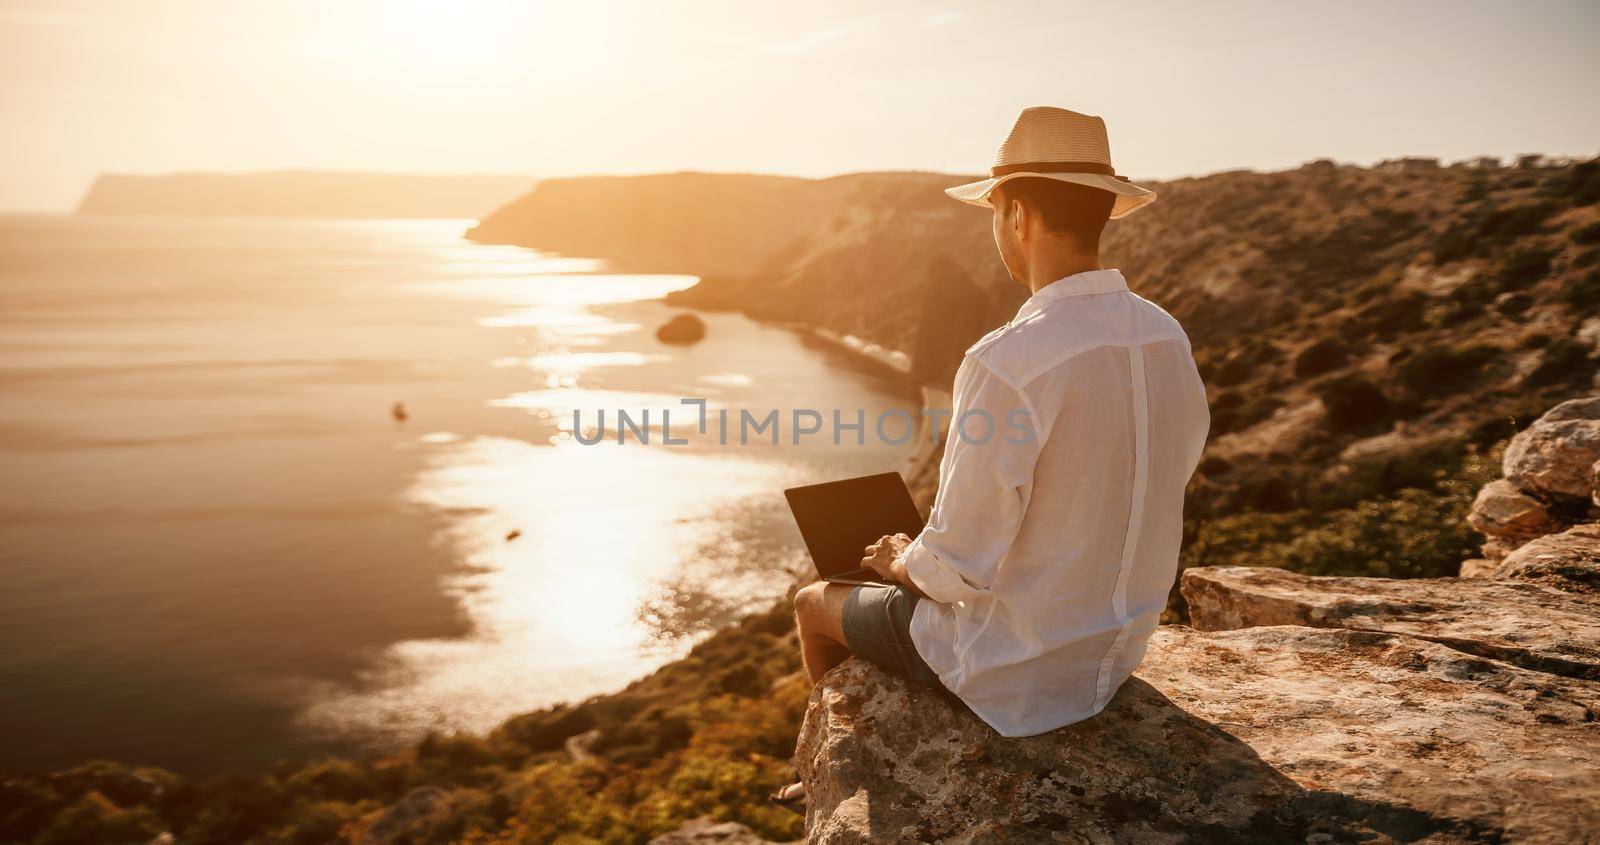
x,y
885,557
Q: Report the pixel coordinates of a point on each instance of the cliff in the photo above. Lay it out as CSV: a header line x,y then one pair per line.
x,y
1297,708
1362,332
1370,341
300,194
1229,254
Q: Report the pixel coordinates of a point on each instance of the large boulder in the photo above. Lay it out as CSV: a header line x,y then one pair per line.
x,y
1529,624
1505,512
682,329
1568,561
1282,734
1555,456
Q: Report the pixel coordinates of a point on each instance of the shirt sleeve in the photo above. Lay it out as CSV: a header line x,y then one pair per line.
x,y
983,484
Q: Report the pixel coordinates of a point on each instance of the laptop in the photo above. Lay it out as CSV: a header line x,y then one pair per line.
x,y
840,519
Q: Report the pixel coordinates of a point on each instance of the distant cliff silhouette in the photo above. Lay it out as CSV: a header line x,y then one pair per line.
x,y
301,194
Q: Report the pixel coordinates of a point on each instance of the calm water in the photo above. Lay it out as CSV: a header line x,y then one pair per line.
x,y
219,548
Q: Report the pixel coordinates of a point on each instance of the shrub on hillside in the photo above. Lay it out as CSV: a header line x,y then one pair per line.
x,y
1417,533
1236,365
1487,228
94,818
1320,357
1580,184
1234,411
649,735
1517,220
1238,539
1384,318
1420,464
1440,369
1266,487
1584,293
1524,266
1564,361
1354,403
1512,303
1467,301
1474,191
548,729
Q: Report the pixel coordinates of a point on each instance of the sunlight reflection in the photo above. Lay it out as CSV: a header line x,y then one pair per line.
x,y
573,604
728,379
578,361
556,289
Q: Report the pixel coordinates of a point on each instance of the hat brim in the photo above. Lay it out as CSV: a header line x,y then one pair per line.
x,y
1130,197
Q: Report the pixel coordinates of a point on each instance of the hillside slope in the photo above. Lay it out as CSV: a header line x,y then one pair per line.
x,y
669,223
1363,332
301,194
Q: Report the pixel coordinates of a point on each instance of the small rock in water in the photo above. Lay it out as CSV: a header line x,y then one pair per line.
x,y
684,328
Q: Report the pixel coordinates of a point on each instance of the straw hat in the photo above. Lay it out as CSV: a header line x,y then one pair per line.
x,y
1054,143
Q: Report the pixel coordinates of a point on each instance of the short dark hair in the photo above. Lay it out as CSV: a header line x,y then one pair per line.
x,y
1075,211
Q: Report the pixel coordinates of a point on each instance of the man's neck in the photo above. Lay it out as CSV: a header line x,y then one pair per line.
x,y
1054,268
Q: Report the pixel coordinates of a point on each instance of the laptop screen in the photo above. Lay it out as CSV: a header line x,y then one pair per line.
x,y
839,519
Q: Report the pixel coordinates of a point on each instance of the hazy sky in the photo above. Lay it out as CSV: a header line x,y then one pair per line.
x,y
813,88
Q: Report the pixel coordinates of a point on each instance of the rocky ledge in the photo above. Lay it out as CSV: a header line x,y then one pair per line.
x,y
1297,709
1528,624
1271,734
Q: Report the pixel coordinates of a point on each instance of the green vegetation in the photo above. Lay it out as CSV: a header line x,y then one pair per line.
x,y
1524,266
1489,227
1564,361
1417,531
1584,293
1443,369
1580,184
693,739
1321,356
1354,403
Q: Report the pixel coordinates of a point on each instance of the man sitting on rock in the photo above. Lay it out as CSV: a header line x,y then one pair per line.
x,y
1047,558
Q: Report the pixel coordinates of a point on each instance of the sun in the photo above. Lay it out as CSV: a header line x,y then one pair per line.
x,y
440,33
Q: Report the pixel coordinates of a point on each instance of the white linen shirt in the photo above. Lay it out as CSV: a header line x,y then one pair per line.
x,y
1051,547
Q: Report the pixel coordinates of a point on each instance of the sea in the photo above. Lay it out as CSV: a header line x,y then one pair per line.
x,y
280,489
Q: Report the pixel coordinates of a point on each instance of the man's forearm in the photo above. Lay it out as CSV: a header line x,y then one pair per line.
x,y
903,577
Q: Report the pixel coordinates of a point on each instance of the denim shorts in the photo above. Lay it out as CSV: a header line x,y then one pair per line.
x,y
877,627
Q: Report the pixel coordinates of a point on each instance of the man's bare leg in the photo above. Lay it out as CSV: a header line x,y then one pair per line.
x,y
819,614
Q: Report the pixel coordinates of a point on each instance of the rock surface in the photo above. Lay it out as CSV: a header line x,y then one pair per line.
x,y
682,328
1274,734
1502,510
1552,478
705,831
1569,561
1529,624
1555,456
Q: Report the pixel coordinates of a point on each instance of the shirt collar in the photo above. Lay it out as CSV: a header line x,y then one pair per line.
x,y
1077,284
